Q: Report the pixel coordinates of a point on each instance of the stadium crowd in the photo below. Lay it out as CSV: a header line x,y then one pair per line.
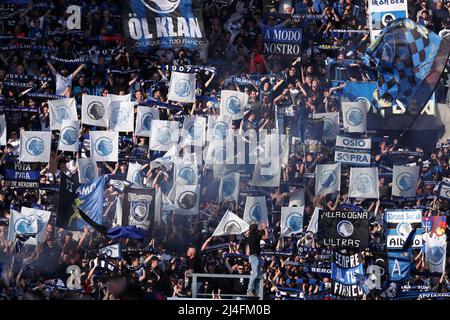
x,y
283,93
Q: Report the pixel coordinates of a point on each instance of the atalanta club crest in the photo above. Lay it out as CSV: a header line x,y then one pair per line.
x,y
104,146
354,116
232,227
161,6
35,146
95,110
69,135
233,105
183,88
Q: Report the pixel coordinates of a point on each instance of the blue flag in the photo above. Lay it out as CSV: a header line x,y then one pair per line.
x,y
90,201
399,265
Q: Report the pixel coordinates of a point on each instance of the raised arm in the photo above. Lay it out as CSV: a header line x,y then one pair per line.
x,y
52,68
74,74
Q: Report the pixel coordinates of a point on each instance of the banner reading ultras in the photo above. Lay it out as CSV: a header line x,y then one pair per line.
x,y
151,24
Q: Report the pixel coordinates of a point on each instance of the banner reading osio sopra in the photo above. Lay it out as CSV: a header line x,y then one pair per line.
x,y
163,24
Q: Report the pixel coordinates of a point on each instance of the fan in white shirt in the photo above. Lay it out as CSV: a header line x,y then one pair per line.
x,y
63,81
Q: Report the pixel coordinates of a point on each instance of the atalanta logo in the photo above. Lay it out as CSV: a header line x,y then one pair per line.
x,y
255,212
139,211
328,127
164,136
95,110
104,146
327,179
23,226
435,255
294,221
364,183
187,200
405,181
183,88
233,105
345,228
194,131
69,135
187,174
404,229
62,113
35,146
219,130
118,116
228,186
232,227
161,6
89,172
354,116
147,121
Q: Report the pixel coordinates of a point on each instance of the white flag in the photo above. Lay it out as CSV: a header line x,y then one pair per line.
x,y
62,109
187,199
260,179
331,126
2,130
68,137
229,187
313,225
119,98
35,146
255,210
328,178
193,132
405,180
291,220
122,116
164,134
87,170
435,252
145,116
95,110
297,198
232,103
230,224
41,217
182,87
104,146
167,159
354,115
134,174
20,224
364,183
186,172
444,190
216,153
218,127
112,251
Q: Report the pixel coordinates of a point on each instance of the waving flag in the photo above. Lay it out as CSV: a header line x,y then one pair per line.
x,y
20,224
62,109
68,137
90,201
193,132
104,145
185,173
399,265
145,116
218,127
410,61
444,190
182,87
95,110
328,178
364,183
229,187
2,130
330,124
134,174
435,252
87,170
167,159
187,199
35,146
291,220
230,224
255,210
113,251
261,179
41,217
164,134
122,116
232,103
354,115
405,180
297,198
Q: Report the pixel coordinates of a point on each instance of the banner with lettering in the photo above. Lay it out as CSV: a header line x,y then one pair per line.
x,y
139,208
381,12
149,24
399,265
399,224
282,41
344,229
352,151
345,270
21,175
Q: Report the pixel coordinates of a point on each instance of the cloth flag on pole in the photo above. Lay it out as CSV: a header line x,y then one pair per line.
x,y
41,217
134,174
2,130
68,137
330,124
218,127
113,251
265,180
230,224
62,109
328,178
20,224
139,208
186,172
444,190
119,98
291,220
435,252
90,201
87,170
193,132
182,87
354,115
145,116
313,225
104,146
255,210
187,199
364,183
35,146
95,110
122,116
229,187
405,180
164,134
410,61
232,103
399,265
297,198
167,159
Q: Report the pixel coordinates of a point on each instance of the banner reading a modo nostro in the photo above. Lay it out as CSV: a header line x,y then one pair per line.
x,y
163,23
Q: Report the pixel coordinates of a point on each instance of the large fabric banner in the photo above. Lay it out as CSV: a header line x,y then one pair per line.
x,y
139,208
164,134
35,146
145,116
232,103
364,183
291,220
382,12
21,175
95,110
20,224
182,87
122,116
345,270
68,137
230,224
399,225
187,199
344,229
87,170
354,116
328,178
62,109
154,24
405,180
104,146
352,151
282,41
255,210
